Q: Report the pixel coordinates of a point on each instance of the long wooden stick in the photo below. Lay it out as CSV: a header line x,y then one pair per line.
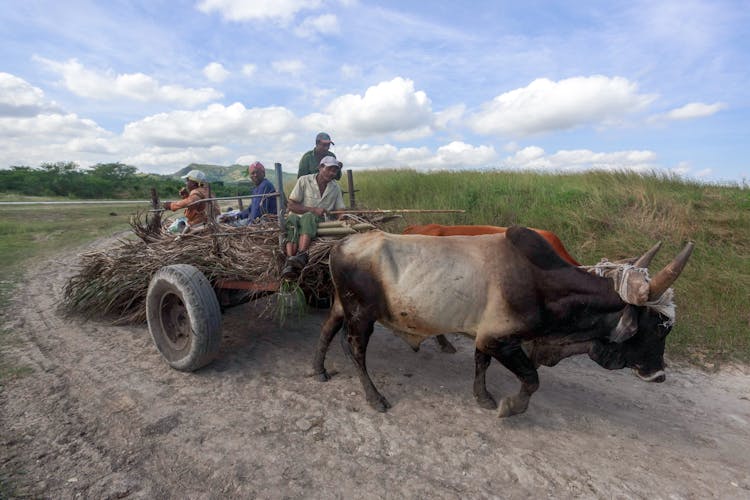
x,y
406,210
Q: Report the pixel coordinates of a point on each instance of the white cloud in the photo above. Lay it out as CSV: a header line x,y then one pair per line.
x,y
327,24
704,173
53,137
682,168
243,10
167,157
249,69
535,158
215,72
136,86
215,125
545,106
694,110
49,128
455,155
449,116
292,67
389,107
18,98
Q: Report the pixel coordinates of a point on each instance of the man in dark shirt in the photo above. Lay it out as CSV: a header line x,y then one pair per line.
x,y
309,162
259,206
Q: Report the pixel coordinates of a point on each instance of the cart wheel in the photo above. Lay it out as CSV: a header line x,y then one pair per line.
x,y
184,317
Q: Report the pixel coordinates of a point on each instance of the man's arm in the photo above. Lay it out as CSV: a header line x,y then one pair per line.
x,y
176,205
267,205
299,208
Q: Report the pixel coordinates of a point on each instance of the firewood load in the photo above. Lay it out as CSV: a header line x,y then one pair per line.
x,y
112,283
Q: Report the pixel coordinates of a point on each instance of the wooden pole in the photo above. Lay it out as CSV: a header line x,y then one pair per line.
x,y
154,222
350,183
280,204
408,211
239,202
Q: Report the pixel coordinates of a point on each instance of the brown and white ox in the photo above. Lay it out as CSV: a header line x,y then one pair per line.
x,y
501,290
476,230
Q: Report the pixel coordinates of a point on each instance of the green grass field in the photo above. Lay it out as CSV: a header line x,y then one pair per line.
x,y
612,215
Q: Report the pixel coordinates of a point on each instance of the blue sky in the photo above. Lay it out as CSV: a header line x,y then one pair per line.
x,y
552,86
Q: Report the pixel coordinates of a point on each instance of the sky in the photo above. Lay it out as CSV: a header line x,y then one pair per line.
x,y
489,84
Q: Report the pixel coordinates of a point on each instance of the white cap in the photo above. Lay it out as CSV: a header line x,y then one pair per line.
x,y
195,175
329,161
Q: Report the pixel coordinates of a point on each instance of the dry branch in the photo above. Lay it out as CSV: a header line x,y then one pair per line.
x,y
112,283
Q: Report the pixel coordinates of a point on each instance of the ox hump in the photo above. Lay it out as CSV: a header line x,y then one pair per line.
x,y
535,248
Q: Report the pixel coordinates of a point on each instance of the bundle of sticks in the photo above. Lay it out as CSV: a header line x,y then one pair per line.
x,y
113,282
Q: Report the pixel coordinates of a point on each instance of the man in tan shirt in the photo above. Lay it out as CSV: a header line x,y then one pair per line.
x,y
312,197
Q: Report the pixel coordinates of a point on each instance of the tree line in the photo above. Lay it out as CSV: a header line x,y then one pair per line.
x,y
101,181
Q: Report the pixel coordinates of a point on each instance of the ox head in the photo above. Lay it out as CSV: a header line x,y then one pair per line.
x,y
638,339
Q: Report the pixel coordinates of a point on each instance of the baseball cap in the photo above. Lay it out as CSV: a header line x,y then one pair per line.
x,y
195,175
329,161
323,137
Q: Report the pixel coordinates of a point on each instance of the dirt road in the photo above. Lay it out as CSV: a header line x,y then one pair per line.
x,y
103,416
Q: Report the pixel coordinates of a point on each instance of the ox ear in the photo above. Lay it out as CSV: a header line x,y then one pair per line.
x,y
627,326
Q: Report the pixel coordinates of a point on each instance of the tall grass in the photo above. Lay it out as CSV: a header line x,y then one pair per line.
x,y
613,215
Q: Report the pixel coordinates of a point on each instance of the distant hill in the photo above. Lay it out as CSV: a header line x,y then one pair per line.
x,y
228,174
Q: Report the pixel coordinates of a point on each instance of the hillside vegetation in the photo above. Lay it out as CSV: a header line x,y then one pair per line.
x,y
612,215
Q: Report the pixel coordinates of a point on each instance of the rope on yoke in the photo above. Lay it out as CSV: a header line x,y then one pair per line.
x,y
620,274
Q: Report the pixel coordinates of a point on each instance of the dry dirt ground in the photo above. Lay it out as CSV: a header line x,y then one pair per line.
x,y
103,416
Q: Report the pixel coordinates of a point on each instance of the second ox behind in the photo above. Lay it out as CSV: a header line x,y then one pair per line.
x,y
501,290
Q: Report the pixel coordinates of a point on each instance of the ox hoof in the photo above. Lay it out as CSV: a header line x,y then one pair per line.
x,y
380,404
487,402
325,375
512,406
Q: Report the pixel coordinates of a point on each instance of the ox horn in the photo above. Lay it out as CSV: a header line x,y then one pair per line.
x,y
670,273
645,259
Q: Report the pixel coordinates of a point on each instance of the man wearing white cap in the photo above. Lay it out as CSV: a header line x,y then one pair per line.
x,y
196,188
311,199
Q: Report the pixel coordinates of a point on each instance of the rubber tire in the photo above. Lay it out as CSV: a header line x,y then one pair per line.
x,y
184,317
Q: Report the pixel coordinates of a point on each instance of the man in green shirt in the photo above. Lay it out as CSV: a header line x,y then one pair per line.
x,y
309,162
313,196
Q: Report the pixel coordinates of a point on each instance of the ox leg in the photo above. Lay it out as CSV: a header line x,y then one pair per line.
x,y
330,327
445,344
511,355
481,363
358,336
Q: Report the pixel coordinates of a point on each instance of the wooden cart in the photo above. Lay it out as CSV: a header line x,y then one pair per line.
x,y
183,307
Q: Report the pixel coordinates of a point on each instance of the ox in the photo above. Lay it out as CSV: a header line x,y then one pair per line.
x,y
472,230
441,230
501,290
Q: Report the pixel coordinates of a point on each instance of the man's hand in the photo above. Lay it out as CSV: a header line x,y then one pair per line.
x,y
320,212
184,193
167,205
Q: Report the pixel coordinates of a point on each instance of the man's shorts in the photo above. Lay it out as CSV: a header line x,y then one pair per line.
x,y
306,223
